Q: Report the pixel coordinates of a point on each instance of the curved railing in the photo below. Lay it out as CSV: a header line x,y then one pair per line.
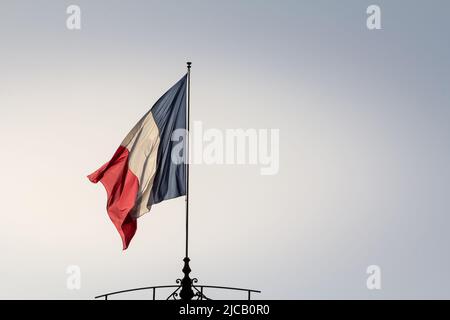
x,y
199,291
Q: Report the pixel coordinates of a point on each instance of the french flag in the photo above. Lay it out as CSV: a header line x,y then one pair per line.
x,y
141,172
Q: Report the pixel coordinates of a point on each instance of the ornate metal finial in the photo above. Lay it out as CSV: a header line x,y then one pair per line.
x,y
189,64
186,292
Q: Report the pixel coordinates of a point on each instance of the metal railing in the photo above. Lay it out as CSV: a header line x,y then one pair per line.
x,y
199,291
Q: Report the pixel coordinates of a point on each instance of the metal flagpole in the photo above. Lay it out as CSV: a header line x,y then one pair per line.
x,y
187,153
186,292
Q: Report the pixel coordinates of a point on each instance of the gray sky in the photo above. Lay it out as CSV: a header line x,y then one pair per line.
x,y
364,128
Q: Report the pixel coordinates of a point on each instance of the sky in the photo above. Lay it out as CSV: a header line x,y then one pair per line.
x,y
363,117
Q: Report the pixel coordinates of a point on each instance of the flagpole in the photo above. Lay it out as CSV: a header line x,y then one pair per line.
x,y
187,153
186,292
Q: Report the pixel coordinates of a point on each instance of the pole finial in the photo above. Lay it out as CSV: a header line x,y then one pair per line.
x,y
189,64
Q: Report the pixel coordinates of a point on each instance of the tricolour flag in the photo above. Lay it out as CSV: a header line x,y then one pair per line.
x,y
141,172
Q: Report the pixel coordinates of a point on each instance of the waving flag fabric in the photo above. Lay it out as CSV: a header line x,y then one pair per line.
x,y
141,172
